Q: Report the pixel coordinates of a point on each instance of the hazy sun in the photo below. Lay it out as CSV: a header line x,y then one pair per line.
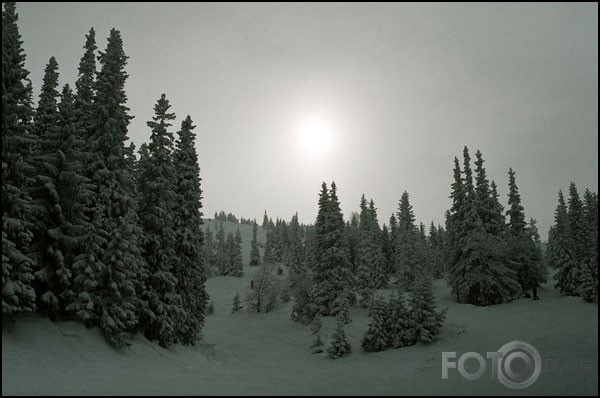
x,y
315,136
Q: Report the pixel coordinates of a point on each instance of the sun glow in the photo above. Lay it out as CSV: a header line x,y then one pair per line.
x,y
315,136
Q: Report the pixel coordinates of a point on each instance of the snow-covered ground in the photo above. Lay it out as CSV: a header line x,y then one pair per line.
x,y
268,354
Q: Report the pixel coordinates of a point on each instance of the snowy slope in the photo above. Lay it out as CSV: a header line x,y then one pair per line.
x,y
267,354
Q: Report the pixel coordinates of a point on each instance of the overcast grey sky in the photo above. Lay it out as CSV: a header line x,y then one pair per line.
x,y
401,87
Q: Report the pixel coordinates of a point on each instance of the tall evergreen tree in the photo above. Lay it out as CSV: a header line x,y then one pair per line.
x,y
577,230
576,224
408,259
88,266
560,250
18,294
353,238
537,250
235,254
386,247
85,85
332,276
53,275
391,266
436,248
115,207
371,273
254,253
75,189
477,264
268,255
454,220
486,201
220,251
297,256
191,271
110,272
523,253
588,288
160,239
61,193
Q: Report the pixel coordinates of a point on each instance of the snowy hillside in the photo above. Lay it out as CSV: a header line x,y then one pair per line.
x,y
267,354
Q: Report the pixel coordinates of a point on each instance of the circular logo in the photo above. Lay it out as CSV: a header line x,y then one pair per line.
x,y
520,365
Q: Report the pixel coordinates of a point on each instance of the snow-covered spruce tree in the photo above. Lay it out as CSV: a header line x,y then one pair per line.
x,y
339,346
362,252
486,200
268,256
424,251
378,335
61,195
352,232
386,247
263,297
470,234
371,274
85,85
332,276
402,326
477,264
304,310
537,250
191,271
88,266
500,283
342,305
560,250
157,215
407,257
234,253
296,255
577,226
436,248
393,241
220,251
254,253
522,251
237,256
454,220
577,231
52,276
18,294
75,189
588,287
428,320
113,303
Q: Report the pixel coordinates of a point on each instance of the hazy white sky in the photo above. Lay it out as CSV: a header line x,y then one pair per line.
x,y
402,88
